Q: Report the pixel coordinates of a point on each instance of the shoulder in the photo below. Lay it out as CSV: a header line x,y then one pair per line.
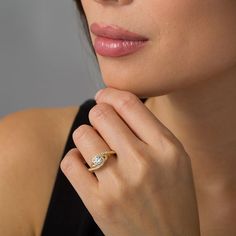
x,y
31,145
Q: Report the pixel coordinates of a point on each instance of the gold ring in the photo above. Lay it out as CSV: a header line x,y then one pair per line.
x,y
99,159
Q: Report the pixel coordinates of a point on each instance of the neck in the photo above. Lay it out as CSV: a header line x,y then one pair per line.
x,y
203,118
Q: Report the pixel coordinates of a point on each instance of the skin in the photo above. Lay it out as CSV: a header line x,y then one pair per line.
x,y
190,79
151,175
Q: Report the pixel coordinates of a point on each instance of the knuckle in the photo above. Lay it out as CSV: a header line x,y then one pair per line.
x,y
65,164
171,149
99,111
174,156
170,144
81,131
127,101
143,162
72,152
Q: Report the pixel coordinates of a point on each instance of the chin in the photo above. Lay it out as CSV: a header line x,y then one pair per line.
x,y
152,87
142,83
140,87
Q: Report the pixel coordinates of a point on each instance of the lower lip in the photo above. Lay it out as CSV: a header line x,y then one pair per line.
x,y
116,47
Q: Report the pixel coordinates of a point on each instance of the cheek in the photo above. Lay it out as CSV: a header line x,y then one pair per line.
x,y
215,36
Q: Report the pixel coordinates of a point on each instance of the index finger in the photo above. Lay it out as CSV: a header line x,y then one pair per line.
x,y
138,117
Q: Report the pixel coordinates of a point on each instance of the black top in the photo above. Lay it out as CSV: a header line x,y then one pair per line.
x,y
67,214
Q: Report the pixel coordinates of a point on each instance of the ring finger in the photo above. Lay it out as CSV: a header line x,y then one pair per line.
x,y
90,143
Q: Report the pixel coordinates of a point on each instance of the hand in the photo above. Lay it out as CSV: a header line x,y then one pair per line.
x,y
148,188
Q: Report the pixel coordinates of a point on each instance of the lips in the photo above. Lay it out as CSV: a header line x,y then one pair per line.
x,y
115,32
114,41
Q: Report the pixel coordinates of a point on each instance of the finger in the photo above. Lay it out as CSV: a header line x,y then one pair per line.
x,y
89,143
84,182
113,130
138,117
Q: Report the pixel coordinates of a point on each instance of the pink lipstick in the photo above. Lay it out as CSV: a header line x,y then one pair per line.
x,y
115,41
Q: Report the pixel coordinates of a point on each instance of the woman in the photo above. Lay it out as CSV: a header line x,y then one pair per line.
x,y
172,170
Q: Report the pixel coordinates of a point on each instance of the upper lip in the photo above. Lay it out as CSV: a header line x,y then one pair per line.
x,y
115,32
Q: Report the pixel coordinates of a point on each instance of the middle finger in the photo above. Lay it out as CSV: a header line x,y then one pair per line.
x,y
114,130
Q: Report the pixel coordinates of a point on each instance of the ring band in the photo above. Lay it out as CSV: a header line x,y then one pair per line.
x,y
99,159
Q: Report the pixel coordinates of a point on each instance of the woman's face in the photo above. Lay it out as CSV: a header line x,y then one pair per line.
x,y
189,41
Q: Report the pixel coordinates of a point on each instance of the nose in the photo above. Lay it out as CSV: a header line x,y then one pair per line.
x,y
118,2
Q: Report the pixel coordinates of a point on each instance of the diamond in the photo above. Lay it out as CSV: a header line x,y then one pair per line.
x,y
97,160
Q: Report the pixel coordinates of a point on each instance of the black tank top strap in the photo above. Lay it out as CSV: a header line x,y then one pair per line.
x,y
66,214
80,118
